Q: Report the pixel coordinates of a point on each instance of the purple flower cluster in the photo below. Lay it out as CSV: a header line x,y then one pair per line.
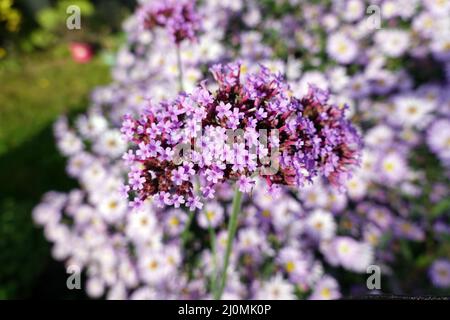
x,y
308,138
177,16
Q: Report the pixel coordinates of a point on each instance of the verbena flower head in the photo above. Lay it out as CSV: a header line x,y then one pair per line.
x,y
177,16
246,128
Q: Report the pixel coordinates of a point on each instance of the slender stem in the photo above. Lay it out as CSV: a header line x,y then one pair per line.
x,y
180,70
185,232
232,227
212,236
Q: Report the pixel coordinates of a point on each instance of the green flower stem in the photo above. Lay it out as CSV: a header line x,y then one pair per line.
x,y
232,227
212,236
185,233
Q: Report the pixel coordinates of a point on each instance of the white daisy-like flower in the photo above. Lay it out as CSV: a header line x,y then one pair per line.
x,y
438,7
353,255
293,68
253,17
321,225
424,24
83,214
311,77
276,288
117,292
389,9
372,235
338,78
249,239
327,288
392,167
313,196
212,214
152,267
353,10
409,8
95,287
440,46
380,135
144,293
330,22
112,207
392,42
356,187
438,138
93,175
141,224
411,110
92,125
110,143
125,58
69,144
342,48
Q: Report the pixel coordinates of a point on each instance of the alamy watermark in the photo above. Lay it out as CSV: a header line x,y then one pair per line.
x,y
73,21
374,280
225,145
373,22
74,280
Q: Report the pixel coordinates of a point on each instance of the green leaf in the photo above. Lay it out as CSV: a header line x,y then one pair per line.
x,y
423,261
440,208
42,38
48,18
406,250
86,7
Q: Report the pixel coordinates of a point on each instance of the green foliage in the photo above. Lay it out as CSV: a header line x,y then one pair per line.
x,y
48,18
36,88
45,24
41,39
441,208
52,18
52,22
34,91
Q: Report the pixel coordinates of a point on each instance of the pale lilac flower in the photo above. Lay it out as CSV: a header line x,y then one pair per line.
x,y
326,289
440,273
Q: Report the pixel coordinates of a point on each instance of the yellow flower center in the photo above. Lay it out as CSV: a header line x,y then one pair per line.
x,y
113,204
290,266
443,273
244,69
406,227
342,48
326,293
389,166
112,143
412,110
174,221
318,225
210,215
312,197
266,213
153,265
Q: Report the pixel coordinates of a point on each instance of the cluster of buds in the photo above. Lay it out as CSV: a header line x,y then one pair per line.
x,y
178,17
247,128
